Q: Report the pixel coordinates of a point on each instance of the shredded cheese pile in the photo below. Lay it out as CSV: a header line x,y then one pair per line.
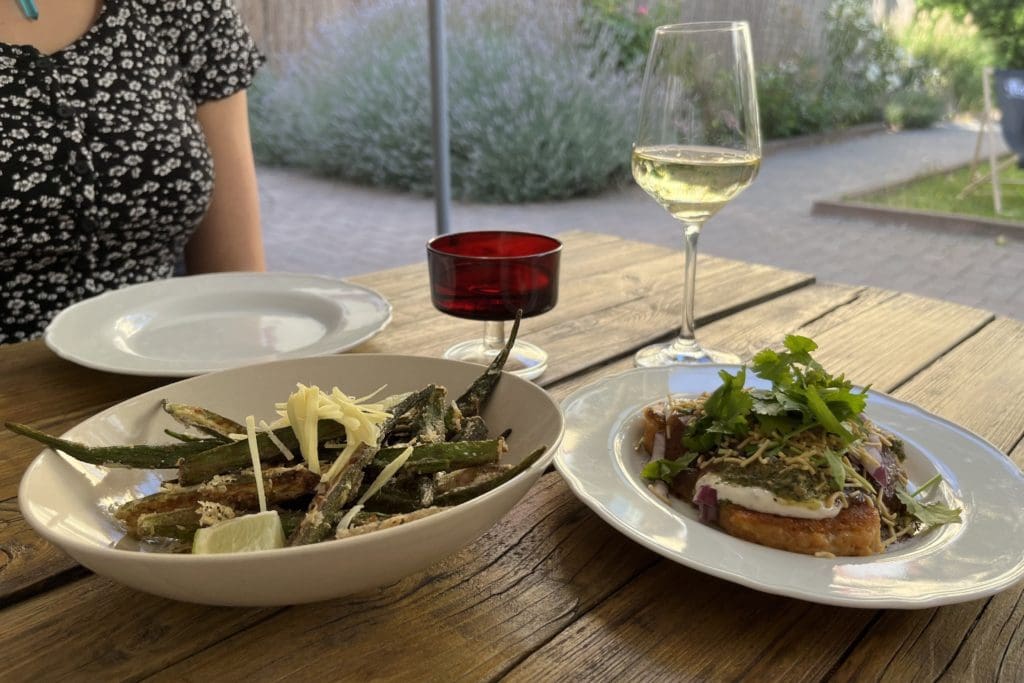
x,y
306,406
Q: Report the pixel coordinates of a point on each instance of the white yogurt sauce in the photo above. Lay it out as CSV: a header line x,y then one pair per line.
x,y
763,500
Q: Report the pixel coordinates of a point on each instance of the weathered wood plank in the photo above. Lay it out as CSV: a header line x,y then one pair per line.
x,y
118,627
37,384
621,315
28,564
895,337
545,564
697,629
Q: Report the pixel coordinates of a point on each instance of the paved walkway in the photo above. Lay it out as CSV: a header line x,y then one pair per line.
x,y
320,226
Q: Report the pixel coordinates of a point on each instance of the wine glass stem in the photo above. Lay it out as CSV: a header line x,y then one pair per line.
x,y
494,335
687,340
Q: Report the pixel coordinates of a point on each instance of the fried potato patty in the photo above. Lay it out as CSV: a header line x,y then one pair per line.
x,y
856,530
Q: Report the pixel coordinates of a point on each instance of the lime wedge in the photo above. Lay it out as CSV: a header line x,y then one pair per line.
x,y
260,531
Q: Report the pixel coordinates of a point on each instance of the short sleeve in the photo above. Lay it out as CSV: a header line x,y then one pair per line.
x,y
217,51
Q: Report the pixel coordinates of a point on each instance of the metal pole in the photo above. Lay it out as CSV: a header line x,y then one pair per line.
x,y
439,109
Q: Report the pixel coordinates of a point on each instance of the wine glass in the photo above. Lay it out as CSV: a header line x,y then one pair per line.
x,y
489,275
698,145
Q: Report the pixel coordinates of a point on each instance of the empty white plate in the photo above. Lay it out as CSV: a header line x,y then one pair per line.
x,y
192,325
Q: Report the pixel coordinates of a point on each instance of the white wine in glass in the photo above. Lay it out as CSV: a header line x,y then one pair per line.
x,y
698,145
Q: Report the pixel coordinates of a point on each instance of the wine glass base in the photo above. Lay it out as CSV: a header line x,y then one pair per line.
x,y
525,359
667,354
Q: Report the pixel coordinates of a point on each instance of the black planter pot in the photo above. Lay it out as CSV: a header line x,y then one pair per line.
x,y
1010,95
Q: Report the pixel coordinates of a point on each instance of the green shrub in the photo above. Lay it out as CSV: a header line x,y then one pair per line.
x,y
789,97
864,64
861,67
1001,21
912,109
948,56
629,26
533,116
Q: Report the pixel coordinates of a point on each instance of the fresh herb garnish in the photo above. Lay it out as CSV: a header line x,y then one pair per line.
x,y
803,393
931,514
836,468
666,470
725,414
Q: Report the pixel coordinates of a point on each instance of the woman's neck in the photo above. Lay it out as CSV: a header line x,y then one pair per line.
x,y
60,23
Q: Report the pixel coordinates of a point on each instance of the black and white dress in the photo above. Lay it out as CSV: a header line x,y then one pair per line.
x,y
104,170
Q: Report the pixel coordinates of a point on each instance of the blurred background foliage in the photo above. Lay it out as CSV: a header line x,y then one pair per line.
x,y
542,95
1000,21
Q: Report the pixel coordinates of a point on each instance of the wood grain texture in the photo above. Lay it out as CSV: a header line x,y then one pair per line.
x,y
28,564
107,632
37,384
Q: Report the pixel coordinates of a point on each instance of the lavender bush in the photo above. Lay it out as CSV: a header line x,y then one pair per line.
x,y
535,112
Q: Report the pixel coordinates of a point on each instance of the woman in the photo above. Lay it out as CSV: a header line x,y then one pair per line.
x,y
124,143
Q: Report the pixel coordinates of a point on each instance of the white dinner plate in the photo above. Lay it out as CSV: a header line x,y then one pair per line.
x,y
68,502
953,563
190,325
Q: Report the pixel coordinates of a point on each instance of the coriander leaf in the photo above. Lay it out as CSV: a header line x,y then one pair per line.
x,y
702,441
836,468
825,416
729,405
666,470
765,403
797,344
932,514
783,424
768,365
843,403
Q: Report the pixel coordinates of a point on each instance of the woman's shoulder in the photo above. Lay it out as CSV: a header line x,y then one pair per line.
x,y
212,43
177,17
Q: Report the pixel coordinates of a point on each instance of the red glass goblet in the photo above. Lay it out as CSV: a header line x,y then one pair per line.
x,y
489,275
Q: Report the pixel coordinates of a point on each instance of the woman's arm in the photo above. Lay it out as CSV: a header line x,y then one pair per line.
x,y
228,238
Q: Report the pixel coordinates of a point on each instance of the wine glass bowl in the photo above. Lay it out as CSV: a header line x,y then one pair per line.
x,y
698,145
490,275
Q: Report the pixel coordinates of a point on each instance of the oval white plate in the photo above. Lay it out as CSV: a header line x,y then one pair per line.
x,y
68,502
953,563
189,325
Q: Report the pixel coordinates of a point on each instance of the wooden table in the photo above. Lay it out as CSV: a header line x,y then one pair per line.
x,y
551,592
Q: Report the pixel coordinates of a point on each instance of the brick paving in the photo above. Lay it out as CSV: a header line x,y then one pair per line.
x,y
322,226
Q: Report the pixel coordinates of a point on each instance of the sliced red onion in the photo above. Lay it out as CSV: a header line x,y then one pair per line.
x,y
707,503
881,476
658,446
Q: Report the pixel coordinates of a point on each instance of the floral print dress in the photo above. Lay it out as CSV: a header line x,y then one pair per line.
x,y
104,169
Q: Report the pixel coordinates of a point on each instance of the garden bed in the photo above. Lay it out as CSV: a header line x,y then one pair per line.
x,y
931,201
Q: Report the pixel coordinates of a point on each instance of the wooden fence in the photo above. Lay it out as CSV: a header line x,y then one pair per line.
x,y
780,28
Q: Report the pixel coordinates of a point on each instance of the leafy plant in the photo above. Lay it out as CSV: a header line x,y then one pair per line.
x,y
948,55
630,26
790,99
532,115
912,109
1001,21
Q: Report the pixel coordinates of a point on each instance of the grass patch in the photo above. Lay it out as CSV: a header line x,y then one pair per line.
x,y
940,192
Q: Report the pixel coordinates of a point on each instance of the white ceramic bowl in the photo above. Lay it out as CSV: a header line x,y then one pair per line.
x,y
68,502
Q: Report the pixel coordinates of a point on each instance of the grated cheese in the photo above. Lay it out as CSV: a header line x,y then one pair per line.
x,y
308,405
383,478
254,453
285,451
